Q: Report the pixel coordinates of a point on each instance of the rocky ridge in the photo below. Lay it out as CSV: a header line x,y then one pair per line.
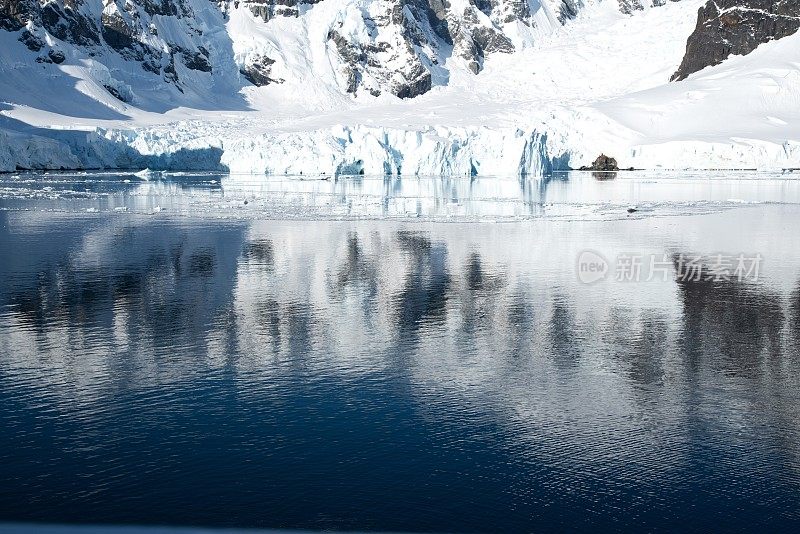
x,y
401,47
378,46
736,27
140,31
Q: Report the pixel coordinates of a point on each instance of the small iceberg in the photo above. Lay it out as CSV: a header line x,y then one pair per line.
x,y
148,174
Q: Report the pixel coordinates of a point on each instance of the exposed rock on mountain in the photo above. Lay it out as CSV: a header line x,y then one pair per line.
x,y
382,45
269,9
259,71
387,48
14,14
568,10
33,43
128,28
736,27
403,47
67,23
629,6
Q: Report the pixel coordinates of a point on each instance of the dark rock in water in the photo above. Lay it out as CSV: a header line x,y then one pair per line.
x,y
736,27
603,164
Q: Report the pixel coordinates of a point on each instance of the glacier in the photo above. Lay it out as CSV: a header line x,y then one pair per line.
x,y
549,89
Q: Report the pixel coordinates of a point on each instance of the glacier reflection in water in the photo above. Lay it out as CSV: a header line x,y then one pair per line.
x,y
384,375
573,195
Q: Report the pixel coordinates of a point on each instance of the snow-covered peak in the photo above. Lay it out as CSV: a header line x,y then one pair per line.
x,y
403,47
193,50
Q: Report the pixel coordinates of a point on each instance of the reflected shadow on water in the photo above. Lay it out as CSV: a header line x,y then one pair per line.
x,y
386,376
572,196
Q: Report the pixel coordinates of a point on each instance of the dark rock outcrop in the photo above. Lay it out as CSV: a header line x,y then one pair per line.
x,y
353,55
121,27
64,20
269,9
603,163
630,6
115,93
568,10
33,43
259,71
69,24
15,14
411,39
400,54
117,33
164,7
196,60
56,56
736,27
123,37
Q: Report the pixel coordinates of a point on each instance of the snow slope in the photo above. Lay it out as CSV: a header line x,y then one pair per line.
x,y
597,84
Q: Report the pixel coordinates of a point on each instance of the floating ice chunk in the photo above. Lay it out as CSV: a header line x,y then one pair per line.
x,y
148,174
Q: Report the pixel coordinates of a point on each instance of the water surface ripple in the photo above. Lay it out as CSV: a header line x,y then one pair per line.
x,y
393,376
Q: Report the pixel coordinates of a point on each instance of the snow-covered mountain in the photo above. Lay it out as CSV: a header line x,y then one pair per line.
x,y
399,86
374,46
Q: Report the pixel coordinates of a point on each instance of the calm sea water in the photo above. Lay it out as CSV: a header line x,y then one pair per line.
x,y
182,366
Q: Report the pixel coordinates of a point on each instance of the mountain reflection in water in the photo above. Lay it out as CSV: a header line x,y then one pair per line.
x,y
572,196
391,376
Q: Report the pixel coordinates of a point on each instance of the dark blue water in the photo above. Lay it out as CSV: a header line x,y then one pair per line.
x,y
390,376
